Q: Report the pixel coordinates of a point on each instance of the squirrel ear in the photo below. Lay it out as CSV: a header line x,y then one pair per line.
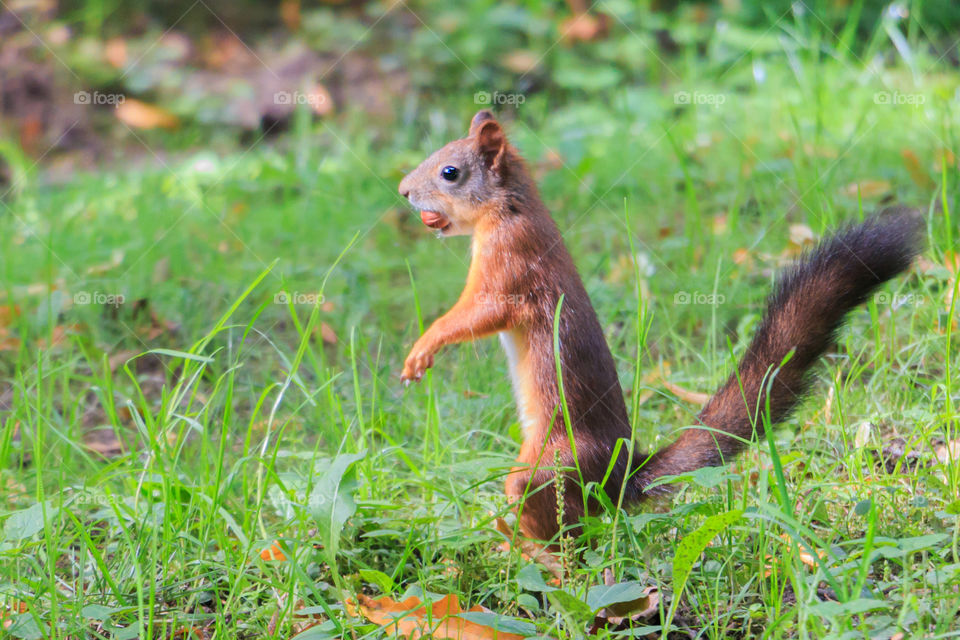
x,y
484,115
492,144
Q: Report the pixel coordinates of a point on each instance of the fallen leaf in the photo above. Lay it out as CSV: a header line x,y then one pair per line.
x,y
919,176
521,61
120,358
57,335
862,437
327,333
944,157
290,14
8,313
867,188
719,224
320,100
742,256
693,397
411,618
584,27
141,115
806,554
801,236
273,552
115,51
116,259
948,452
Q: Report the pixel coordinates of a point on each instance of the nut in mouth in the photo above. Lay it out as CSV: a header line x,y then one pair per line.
x,y
435,220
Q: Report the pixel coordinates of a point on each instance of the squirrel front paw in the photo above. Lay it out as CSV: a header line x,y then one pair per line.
x,y
416,365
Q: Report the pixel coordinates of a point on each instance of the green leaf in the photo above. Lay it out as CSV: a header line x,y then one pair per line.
x,y
98,611
603,596
331,501
570,606
181,354
379,578
26,522
25,626
690,548
892,548
529,578
833,609
862,508
499,623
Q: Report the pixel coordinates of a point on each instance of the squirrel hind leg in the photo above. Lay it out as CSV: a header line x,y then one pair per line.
x,y
534,491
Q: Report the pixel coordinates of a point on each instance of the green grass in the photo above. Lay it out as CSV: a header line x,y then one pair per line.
x,y
240,423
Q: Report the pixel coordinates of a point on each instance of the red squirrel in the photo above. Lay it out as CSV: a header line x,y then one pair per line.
x,y
519,270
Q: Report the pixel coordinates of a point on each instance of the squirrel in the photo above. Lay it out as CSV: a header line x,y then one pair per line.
x,y
521,271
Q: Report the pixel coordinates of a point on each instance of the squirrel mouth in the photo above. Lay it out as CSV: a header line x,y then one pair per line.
x,y
435,220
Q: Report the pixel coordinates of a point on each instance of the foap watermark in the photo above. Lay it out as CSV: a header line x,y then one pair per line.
x,y
298,297
99,98
98,297
697,97
899,299
498,98
86,498
697,297
314,99
895,98
509,299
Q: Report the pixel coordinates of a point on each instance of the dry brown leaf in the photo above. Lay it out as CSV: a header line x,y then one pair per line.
x,y
693,397
273,552
719,224
521,61
867,188
917,173
141,115
8,313
320,100
290,14
104,441
742,256
584,27
944,156
120,358
327,333
116,259
411,618
115,51
948,452
58,335
801,236
806,554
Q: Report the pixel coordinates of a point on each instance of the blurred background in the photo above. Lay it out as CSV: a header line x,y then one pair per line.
x,y
208,282
83,82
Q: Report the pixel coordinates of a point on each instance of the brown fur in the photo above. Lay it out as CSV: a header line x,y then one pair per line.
x,y
518,274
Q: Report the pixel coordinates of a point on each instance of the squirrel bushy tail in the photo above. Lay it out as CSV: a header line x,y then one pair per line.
x,y
808,305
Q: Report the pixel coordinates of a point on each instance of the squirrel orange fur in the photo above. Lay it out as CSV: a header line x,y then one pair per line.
x,y
520,269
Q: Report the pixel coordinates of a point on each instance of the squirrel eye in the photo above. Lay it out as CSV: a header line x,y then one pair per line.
x,y
450,173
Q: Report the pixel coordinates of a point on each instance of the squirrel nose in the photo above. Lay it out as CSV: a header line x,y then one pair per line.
x,y
405,192
404,188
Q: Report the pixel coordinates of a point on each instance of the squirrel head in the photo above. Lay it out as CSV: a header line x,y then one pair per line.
x,y
459,183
